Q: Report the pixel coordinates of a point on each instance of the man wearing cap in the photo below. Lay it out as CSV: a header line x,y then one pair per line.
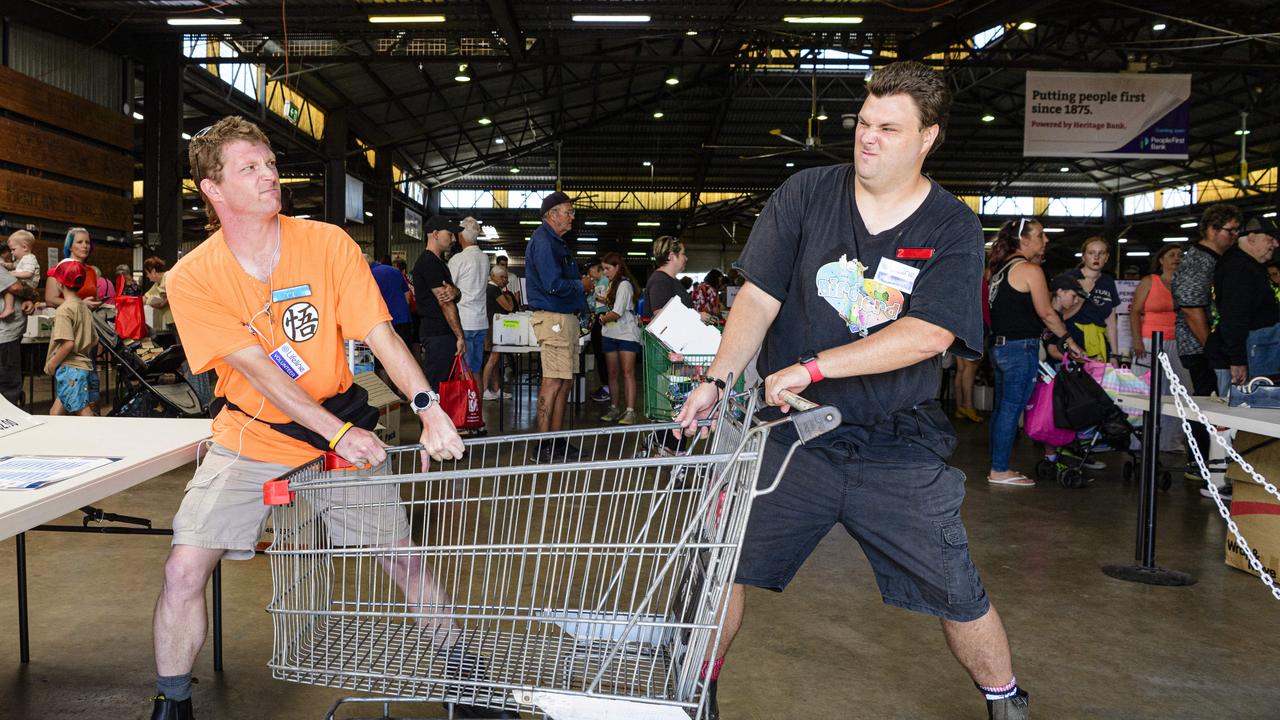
x,y
1247,310
555,290
470,271
441,329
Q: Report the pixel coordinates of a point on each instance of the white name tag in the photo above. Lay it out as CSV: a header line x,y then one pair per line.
x,y
896,275
289,361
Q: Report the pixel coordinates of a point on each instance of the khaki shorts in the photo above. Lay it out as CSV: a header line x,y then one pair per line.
x,y
557,335
223,510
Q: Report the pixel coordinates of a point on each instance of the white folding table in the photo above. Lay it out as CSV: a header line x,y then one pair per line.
x,y
147,447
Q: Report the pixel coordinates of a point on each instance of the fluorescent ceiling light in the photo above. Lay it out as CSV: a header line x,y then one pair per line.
x,y
596,222
658,114
1123,240
1026,25
464,73
1189,224
137,115
1055,230
1270,214
588,239
484,121
791,164
1079,255
637,254
674,79
530,222
203,21
823,19
368,214
393,19
186,136
641,239
1137,253
988,117
514,171
645,223
584,253
499,141
1243,132
137,232
691,33
646,163
490,232
1064,168
1175,239
611,18
1159,27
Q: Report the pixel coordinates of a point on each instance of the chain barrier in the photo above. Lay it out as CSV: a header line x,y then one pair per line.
x,y
1182,400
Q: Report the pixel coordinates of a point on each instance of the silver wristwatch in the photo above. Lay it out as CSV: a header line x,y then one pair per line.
x,y
423,400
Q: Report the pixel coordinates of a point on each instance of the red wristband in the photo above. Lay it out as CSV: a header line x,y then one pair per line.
x,y
815,374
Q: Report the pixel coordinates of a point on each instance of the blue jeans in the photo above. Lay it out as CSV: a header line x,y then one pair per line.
x,y
475,348
1016,364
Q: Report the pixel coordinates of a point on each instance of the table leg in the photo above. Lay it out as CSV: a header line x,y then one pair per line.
x,y
24,637
217,617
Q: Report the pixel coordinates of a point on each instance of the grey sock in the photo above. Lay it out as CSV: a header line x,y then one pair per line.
x,y
174,687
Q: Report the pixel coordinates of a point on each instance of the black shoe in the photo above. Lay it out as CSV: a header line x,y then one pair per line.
x,y
1017,707
166,709
543,453
713,708
566,451
465,665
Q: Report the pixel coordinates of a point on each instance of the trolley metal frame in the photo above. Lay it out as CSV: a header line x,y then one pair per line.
x,y
582,589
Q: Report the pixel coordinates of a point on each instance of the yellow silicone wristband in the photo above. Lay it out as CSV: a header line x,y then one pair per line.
x,y
338,437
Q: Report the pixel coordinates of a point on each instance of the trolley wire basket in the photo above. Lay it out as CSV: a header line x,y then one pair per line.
x,y
587,588
669,377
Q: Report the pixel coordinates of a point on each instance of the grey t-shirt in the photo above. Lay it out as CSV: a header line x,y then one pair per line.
x,y
12,327
838,283
1192,287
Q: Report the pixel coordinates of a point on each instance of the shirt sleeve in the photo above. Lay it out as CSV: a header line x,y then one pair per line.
x,y
208,330
359,302
427,276
954,272
768,260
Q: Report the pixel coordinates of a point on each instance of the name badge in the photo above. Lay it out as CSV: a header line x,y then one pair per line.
x,y
297,291
896,275
289,361
914,253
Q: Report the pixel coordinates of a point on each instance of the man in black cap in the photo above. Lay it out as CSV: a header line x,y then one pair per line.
x,y
555,293
1247,310
441,330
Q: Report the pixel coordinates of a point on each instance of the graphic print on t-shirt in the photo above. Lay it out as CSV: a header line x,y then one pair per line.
x,y
862,302
301,321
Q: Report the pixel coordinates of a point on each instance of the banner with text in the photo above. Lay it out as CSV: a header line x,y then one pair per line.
x,y
1106,115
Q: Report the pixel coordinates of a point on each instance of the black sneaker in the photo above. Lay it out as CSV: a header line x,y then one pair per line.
x,y
464,665
1224,492
601,395
543,453
566,451
1017,707
166,709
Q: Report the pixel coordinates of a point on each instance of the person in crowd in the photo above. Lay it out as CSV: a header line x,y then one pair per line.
x,y
1273,274
157,296
470,271
1151,310
23,265
1244,301
498,299
11,331
823,231
967,369
9,304
1098,317
71,345
621,332
106,290
669,254
1069,298
706,294
1020,310
513,280
686,282
124,284
78,246
440,333
263,293
395,294
1192,291
414,318
556,295
596,304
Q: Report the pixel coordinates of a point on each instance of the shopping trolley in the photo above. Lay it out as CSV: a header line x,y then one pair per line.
x,y
583,589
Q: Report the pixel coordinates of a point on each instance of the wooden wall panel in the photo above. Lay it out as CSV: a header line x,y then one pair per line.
x,y
33,147
39,101
42,198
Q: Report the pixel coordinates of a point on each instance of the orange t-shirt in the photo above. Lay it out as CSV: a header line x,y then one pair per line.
x,y
320,293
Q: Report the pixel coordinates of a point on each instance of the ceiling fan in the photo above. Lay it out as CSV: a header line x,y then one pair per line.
x,y
812,141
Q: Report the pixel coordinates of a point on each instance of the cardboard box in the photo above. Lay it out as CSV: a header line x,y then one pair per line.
x,y
39,326
1257,514
514,329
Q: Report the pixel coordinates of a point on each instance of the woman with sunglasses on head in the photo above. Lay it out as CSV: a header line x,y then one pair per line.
x,y
1020,311
1097,319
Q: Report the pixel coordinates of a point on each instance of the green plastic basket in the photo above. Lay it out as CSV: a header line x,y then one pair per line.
x,y
669,378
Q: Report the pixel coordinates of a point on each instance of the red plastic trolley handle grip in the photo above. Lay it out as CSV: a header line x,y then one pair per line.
x,y
276,492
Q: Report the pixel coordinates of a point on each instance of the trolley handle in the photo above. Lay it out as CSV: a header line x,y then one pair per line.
x,y
796,402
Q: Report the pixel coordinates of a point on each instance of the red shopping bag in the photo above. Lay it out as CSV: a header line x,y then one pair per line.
x,y
129,320
460,397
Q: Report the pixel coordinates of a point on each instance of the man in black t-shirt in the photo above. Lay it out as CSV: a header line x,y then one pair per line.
x,y
441,330
858,279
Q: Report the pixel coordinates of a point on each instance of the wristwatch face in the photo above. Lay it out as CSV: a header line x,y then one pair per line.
x,y
808,357
423,400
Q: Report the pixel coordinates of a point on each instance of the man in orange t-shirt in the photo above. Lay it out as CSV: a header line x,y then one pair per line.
x,y
267,302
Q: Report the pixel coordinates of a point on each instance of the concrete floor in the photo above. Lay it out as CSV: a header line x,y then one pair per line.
x,y
1085,645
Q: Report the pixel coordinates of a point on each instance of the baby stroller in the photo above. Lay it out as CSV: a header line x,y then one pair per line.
x,y
1082,408
154,387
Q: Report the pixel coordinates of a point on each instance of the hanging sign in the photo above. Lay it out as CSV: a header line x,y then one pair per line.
x,y
1106,115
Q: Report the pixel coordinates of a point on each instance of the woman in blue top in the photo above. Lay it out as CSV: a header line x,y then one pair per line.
x,y
1097,319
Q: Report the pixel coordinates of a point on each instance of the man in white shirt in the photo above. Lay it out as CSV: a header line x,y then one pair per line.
x,y
470,271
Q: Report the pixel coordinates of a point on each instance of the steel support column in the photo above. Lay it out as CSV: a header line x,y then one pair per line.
x,y
164,152
335,168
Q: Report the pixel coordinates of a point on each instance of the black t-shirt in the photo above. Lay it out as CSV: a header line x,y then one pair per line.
x,y
429,273
660,289
837,283
491,306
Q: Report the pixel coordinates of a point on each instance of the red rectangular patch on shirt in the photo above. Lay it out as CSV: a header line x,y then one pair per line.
x,y
914,253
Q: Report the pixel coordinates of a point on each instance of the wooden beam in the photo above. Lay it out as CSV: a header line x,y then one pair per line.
x,y
51,200
28,145
48,104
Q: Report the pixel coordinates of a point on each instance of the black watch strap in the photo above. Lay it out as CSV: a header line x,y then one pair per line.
x,y
715,381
